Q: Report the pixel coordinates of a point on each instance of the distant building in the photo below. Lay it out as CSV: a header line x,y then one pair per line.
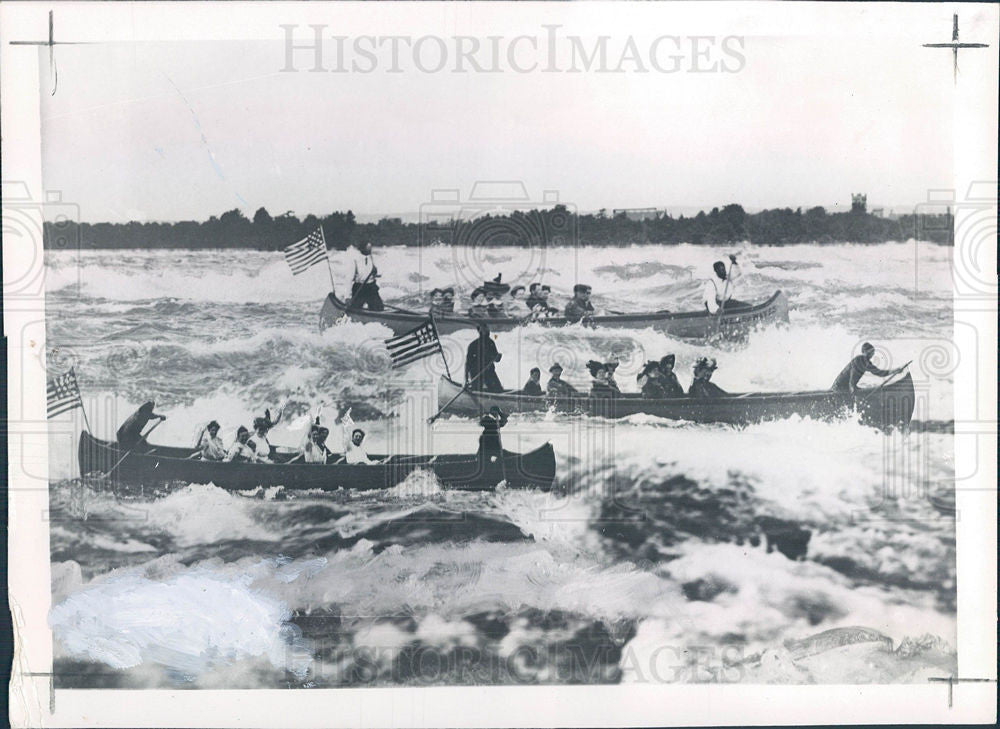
x,y
859,203
636,213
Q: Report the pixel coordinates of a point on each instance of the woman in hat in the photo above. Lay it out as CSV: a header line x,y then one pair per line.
x,y
314,450
668,378
600,384
702,385
651,381
478,309
557,386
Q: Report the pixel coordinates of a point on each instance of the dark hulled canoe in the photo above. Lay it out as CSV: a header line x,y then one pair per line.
x,y
162,464
734,324
885,406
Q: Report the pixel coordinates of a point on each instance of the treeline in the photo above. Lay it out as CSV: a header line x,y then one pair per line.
x,y
555,226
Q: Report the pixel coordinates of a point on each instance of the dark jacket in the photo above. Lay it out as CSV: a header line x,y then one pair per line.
x,y
671,385
705,388
532,388
559,388
575,310
848,378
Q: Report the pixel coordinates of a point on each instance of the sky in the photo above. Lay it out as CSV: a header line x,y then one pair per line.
x,y
164,118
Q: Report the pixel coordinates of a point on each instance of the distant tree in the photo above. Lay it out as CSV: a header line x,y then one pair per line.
x,y
262,217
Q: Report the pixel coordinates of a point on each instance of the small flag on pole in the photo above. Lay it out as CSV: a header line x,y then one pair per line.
x,y
414,344
63,394
307,252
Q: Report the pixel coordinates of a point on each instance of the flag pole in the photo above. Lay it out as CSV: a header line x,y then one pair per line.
x,y
326,253
440,348
86,420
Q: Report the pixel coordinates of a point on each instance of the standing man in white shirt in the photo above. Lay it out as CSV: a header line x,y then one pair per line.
x,y
364,289
719,289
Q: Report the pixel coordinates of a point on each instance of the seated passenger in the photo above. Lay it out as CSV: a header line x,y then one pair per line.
x,y
600,385
579,307
240,450
516,305
668,378
355,451
210,444
702,387
314,450
130,433
478,309
534,297
610,368
652,381
534,384
437,301
258,441
448,300
558,387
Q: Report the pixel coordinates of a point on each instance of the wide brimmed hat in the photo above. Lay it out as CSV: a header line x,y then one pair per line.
x,y
261,423
667,359
594,367
555,367
650,366
495,287
706,363
478,292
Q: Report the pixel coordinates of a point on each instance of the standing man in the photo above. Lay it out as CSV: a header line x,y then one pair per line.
x,y
130,433
480,362
847,380
719,289
364,289
579,307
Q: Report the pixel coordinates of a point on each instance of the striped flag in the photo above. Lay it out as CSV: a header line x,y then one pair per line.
x,y
63,394
414,344
307,252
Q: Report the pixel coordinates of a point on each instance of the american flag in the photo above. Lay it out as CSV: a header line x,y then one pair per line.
x,y
63,394
414,344
307,252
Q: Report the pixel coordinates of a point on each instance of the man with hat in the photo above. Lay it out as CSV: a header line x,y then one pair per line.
x,y
364,289
480,362
847,380
579,307
668,378
556,386
702,386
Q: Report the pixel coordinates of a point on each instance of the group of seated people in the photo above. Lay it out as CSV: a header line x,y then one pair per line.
x,y
255,447
656,380
498,300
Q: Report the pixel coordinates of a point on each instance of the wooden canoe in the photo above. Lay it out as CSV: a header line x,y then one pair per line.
x,y
163,464
735,324
885,406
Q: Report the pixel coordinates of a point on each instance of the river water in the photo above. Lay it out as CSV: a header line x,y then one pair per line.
x,y
792,551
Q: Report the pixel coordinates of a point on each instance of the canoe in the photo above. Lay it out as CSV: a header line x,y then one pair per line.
x,y
884,407
735,324
163,464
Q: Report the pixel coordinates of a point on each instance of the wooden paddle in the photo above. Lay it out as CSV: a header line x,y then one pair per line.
x,y
465,387
141,439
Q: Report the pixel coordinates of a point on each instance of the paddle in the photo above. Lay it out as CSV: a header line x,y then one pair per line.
x,y
725,292
354,296
141,439
886,381
465,387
